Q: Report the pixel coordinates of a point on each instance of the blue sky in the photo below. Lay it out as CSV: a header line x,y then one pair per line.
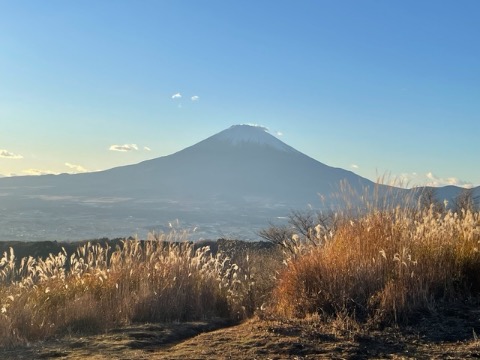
x,y
376,87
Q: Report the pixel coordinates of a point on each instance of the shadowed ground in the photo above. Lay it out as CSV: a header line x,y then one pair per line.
x,y
449,336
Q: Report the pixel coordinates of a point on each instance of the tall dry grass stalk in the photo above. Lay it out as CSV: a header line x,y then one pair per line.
x,y
162,279
384,264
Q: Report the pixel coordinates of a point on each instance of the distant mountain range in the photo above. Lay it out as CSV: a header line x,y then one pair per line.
x,y
230,184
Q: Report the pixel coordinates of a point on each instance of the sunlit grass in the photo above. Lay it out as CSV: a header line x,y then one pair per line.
x,y
97,288
384,265
373,262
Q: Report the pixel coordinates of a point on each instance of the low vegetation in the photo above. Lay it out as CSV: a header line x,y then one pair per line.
x,y
382,265
385,265
97,288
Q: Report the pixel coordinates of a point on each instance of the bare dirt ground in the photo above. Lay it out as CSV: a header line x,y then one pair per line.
x,y
451,335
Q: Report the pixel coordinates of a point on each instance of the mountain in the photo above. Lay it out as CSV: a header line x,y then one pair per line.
x,y
241,164
230,184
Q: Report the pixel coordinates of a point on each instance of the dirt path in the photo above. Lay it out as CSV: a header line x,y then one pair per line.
x,y
450,338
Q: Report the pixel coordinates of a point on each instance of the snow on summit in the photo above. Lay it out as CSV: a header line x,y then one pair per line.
x,y
242,134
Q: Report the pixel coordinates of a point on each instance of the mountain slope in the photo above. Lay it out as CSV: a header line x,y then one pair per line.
x,y
238,163
244,161
229,184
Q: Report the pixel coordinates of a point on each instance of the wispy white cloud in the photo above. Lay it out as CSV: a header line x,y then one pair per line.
x,y
124,147
354,166
434,180
413,179
37,172
279,133
76,168
195,98
146,148
177,96
9,155
264,128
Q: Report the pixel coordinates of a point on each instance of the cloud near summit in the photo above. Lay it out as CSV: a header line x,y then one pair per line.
x,y
264,128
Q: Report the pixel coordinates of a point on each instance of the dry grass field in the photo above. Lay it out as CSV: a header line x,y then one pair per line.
x,y
390,282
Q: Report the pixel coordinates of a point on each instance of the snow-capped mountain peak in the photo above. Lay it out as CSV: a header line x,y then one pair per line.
x,y
247,134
